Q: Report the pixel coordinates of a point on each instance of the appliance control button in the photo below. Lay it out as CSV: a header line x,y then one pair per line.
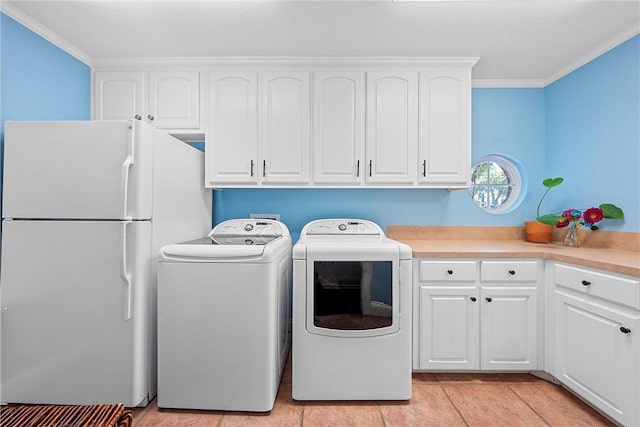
x,y
342,227
248,227
248,241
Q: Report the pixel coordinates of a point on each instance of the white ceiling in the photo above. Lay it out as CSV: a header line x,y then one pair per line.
x,y
522,41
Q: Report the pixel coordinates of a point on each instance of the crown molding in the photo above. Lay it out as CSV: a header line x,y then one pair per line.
x,y
285,61
507,83
599,50
33,25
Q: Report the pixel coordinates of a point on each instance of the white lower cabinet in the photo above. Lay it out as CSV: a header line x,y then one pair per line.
x,y
464,322
597,325
509,329
449,333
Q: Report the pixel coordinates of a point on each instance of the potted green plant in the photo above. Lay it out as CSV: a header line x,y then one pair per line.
x,y
540,231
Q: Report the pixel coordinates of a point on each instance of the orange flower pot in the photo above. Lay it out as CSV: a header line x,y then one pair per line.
x,y
538,232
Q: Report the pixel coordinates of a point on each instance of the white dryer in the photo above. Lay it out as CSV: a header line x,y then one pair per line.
x,y
224,310
351,313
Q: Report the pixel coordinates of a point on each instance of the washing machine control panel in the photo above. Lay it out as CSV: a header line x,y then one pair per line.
x,y
343,227
248,227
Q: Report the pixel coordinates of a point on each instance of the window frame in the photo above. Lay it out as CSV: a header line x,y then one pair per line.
x,y
516,175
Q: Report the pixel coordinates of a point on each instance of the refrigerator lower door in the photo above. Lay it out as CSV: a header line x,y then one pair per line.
x,y
74,312
78,170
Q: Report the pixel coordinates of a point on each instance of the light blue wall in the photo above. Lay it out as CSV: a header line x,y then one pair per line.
x,y
509,121
593,135
39,81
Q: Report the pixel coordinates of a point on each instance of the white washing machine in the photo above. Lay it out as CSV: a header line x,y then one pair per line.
x,y
224,310
351,313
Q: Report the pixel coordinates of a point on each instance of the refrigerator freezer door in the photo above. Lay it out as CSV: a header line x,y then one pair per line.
x,y
78,170
74,312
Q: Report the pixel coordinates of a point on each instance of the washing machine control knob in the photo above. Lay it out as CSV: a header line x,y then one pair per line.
x,y
342,227
248,227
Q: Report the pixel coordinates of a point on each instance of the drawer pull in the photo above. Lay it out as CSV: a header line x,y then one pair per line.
x,y
449,272
512,272
473,299
586,282
488,299
625,330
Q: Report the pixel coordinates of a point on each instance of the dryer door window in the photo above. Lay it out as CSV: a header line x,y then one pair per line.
x,y
353,298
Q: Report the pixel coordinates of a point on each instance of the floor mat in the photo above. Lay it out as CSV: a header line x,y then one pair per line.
x,y
65,416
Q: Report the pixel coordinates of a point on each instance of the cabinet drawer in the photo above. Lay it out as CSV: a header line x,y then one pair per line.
x,y
613,288
448,271
509,271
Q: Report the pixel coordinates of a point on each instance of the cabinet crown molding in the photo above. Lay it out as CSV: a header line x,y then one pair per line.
x,y
285,61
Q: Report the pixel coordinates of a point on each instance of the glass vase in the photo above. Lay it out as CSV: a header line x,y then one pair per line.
x,y
572,238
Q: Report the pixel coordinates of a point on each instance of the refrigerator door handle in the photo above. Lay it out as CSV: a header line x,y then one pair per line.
x,y
124,273
126,169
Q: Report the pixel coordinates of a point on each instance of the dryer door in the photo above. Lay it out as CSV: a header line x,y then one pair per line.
x,y
352,293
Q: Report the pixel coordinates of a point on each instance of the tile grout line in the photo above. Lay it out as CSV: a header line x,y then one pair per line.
x,y
527,404
453,404
384,422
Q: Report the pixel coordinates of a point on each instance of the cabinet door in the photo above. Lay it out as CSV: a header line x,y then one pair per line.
x,y
231,148
338,127
509,329
596,358
448,328
119,95
174,99
445,122
392,127
284,127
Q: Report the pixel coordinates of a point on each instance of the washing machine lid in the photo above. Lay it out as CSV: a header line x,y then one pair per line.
x,y
237,239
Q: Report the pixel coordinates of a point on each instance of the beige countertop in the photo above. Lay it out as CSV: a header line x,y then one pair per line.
x,y
504,246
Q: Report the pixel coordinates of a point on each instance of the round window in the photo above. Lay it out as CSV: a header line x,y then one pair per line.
x,y
497,183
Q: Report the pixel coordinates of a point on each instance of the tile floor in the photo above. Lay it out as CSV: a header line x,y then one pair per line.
x,y
438,400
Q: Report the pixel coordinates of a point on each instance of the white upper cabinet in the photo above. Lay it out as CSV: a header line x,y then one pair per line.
x,y
119,95
445,126
284,127
231,145
174,99
392,127
312,122
338,127
166,99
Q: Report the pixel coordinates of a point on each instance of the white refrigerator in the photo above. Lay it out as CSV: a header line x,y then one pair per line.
x,y
86,207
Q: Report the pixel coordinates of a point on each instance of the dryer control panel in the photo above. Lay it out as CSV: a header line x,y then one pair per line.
x,y
328,227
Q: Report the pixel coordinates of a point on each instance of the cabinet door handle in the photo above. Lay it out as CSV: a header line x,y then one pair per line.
x,y
473,299
251,167
488,299
586,282
137,117
424,168
449,272
358,169
625,330
264,168
512,272
370,166
150,117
